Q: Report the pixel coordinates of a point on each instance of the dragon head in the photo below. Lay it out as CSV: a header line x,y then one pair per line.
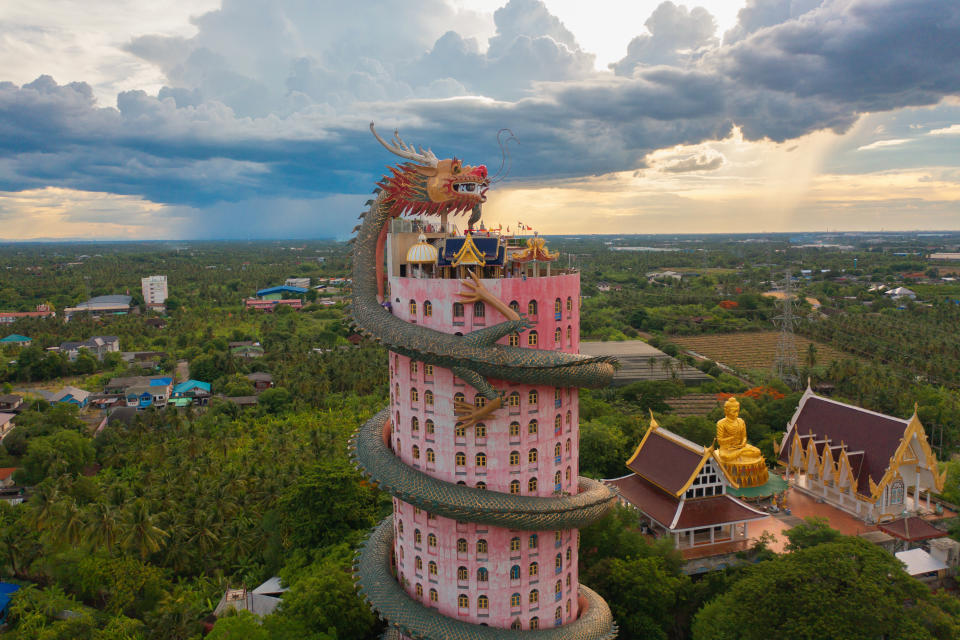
x,y
427,185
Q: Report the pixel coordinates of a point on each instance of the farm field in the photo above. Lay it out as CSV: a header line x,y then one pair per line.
x,y
752,349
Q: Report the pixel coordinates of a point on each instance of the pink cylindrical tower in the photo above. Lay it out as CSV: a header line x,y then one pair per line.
x,y
474,572
479,444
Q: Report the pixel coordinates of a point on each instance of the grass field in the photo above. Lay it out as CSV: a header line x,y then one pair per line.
x,y
752,349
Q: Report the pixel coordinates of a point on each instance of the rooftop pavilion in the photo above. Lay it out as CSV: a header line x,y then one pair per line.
x,y
422,249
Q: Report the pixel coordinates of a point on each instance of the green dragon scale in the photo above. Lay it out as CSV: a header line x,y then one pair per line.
x,y
439,187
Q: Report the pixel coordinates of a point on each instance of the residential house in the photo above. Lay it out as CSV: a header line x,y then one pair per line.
x,y
153,394
10,402
270,305
243,600
243,401
43,311
191,392
901,292
6,477
16,339
73,395
6,424
96,346
253,350
261,380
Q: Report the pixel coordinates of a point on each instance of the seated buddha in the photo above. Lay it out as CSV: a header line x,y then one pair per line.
x,y
743,461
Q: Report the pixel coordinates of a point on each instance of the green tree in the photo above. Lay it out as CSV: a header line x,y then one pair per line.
x,y
275,399
811,532
603,449
61,453
847,589
243,626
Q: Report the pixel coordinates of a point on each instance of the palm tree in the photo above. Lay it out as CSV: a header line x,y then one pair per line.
x,y
102,527
142,534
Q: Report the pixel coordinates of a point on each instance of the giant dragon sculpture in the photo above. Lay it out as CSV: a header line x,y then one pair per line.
x,y
426,185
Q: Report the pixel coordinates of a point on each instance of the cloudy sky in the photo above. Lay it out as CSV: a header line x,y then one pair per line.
x,y
248,118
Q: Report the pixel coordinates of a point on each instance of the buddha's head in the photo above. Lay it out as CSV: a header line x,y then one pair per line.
x,y
731,408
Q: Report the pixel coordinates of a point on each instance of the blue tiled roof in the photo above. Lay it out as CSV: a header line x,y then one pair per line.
x,y
183,387
493,251
282,288
160,382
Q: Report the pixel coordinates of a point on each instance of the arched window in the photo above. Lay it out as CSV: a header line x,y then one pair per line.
x,y
533,427
558,426
418,563
434,597
569,420
483,602
532,308
556,478
460,459
558,563
432,568
459,397
419,590
558,616
462,545
568,445
558,537
534,569
431,457
557,450
515,305
481,459
414,424
413,308
483,575
479,401
567,474
457,310
533,397
532,456
514,340
532,339
557,306
482,485
534,622
569,336
429,426
514,544
428,398
558,337
534,596
569,303
515,486
416,452
568,607
568,575
479,309
532,485
569,556
428,371
482,546
533,541
463,601
432,540
413,368
515,601
514,458
514,429
396,394
427,308
400,527
515,572
896,492
414,396
516,625
513,400
417,537
480,431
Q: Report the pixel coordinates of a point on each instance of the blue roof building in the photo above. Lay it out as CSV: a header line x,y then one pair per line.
x,y
274,293
16,338
7,590
190,386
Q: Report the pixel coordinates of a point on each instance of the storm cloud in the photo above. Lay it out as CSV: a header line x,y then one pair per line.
x,y
271,100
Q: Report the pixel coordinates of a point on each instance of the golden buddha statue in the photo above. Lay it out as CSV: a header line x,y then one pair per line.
x,y
743,461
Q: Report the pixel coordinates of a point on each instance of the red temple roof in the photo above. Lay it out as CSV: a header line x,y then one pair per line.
x,y
912,529
666,460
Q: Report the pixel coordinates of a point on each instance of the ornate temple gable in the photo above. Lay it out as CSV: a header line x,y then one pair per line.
x,y
853,448
674,464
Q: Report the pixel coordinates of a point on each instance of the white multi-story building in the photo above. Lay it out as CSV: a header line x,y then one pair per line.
x,y
154,290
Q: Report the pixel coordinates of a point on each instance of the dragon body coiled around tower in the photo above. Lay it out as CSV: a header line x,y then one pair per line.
x,y
428,186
